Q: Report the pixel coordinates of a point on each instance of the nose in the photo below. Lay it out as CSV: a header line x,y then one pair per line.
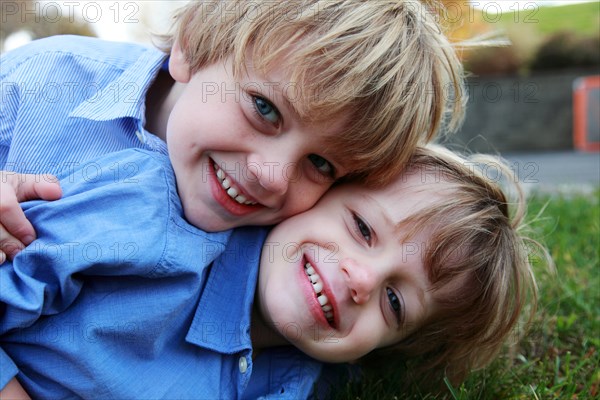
x,y
272,171
359,278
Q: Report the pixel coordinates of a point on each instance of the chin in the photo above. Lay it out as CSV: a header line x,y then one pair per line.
x,y
323,356
203,222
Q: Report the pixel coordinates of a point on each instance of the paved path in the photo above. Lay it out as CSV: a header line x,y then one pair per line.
x,y
566,171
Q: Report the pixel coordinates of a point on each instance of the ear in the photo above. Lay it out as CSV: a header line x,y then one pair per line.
x,y
179,68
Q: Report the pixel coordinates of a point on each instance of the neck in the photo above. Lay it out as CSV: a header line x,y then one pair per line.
x,y
160,100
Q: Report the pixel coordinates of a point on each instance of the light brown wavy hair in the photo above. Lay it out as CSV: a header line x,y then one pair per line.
x,y
478,264
386,64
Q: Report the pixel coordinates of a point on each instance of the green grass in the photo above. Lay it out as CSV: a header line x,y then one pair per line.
x,y
560,355
581,18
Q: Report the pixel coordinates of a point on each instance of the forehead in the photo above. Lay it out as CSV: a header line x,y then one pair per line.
x,y
408,194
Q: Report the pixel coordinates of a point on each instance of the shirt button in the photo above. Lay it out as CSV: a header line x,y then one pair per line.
x,y
140,136
243,365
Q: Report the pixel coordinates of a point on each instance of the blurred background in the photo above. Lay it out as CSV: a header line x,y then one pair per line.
x,y
535,101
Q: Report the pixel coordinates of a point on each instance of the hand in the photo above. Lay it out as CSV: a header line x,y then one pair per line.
x,y
15,230
13,391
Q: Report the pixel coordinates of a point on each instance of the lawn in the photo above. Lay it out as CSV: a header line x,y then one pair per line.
x,y
581,18
559,356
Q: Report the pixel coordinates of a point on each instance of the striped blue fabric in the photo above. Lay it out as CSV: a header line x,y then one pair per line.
x,y
67,100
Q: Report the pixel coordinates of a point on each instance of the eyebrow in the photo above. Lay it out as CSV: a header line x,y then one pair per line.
x,y
380,209
397,226
273,87
421,298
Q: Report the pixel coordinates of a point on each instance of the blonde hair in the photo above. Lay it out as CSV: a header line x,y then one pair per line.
x,y
477,261
386,64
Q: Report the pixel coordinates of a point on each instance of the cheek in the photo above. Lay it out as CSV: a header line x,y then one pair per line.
x,y
302,196
335,349
369,332
176,126
281,301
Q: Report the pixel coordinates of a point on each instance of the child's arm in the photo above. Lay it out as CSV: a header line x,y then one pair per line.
x,y
110,223
15,229
13,391
113,223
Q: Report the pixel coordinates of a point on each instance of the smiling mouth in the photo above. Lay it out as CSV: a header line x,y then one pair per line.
x,y
230,188
317,286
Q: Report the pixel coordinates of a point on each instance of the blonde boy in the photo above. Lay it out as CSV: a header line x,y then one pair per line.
x,y
284,97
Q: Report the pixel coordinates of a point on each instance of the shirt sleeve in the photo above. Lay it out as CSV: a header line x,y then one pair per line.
x,y
67,99
25,74
111,221
9,99
8,369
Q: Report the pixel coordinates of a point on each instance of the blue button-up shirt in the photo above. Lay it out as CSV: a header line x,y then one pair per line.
x,y
69,99
119,297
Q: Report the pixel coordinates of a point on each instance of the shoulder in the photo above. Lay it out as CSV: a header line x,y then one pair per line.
x,y
123,197
68,52
131,171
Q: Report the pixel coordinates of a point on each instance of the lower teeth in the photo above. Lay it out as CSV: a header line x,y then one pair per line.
x,y
327,307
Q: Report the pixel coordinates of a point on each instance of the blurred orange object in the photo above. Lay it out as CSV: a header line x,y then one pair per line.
x,y
586,113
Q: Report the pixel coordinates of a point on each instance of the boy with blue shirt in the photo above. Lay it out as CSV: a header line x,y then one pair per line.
x,y
161,321
283,97
120,297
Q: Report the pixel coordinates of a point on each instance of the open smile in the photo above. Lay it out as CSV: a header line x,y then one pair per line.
x,y
317,284
231,188
230,195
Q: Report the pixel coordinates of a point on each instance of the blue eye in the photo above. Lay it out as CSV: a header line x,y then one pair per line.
x,y
266,110
363,229
394,302
322,165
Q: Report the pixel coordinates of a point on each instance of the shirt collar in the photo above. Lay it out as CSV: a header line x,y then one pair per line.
x,y
222,319
126,95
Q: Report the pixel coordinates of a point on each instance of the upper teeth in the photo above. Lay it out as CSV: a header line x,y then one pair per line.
x,y
317,285
230,188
